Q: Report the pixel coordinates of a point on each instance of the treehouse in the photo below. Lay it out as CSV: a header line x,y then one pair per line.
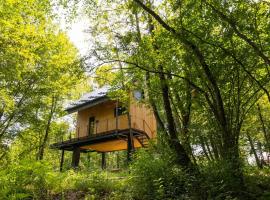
x,y
105,125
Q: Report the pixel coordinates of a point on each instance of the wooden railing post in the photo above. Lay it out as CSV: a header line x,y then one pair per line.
x,y
143,126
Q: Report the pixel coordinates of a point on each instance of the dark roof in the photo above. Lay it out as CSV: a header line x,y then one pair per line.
x,y
89,99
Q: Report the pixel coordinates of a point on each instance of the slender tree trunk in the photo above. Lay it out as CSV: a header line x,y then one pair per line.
x,y
261,154
203,148
182,157
214,147
130,142
259,164
208,148
47,130
147,74
160,123
266,136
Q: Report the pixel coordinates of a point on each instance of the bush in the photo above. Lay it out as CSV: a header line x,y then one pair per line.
x,y
258,182
37,180
153,176
216,177
24,180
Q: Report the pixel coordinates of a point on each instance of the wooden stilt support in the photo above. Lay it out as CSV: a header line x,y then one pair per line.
x,y
130,144
88,159
117,161
75,157
129,147
103,160
62,160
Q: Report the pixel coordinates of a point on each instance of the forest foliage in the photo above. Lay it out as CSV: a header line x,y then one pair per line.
x,y
203,67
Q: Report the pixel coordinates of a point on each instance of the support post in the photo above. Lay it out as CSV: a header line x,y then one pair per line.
x,y
129,147
103,160
75,157
130,144
88,159
117,161
62,160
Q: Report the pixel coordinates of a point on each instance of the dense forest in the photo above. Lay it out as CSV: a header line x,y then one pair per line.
x,y
203,67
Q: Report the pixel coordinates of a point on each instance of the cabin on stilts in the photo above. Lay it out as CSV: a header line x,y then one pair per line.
x,y
105,125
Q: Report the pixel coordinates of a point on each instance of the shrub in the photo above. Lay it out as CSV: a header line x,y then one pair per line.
x,y
24,180
154,176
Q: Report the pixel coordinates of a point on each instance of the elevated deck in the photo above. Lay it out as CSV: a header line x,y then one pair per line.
x,y
118,137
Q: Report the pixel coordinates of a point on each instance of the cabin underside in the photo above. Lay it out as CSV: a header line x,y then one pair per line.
x,y
116,140
106,142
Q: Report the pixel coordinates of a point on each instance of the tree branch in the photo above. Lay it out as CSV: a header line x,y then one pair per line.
x,y
239,34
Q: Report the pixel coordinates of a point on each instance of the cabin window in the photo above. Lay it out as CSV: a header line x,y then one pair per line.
x,y
138,95
91,126
120,111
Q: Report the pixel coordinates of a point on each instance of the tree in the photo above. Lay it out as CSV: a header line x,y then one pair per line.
x,y
196,45
37,63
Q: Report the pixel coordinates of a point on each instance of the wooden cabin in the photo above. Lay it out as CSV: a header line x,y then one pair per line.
x,y
104,125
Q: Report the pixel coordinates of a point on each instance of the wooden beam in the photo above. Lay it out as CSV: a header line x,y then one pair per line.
x,y
103,160
76,157
62,160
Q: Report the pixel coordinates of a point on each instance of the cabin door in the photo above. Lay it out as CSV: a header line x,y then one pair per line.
x,y
91,126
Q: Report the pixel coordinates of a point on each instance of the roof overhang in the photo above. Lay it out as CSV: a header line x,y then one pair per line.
x,y
88,104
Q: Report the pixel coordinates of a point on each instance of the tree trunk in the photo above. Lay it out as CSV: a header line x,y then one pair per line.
x,y
232,166
147,74
160,123
204,148
259,164
261,154
214,147
47,130
182,157
266,136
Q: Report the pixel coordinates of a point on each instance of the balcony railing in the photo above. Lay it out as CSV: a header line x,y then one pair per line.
x,y
117,123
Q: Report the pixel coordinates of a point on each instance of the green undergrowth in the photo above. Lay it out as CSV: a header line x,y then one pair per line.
x,y
38,180
151,176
